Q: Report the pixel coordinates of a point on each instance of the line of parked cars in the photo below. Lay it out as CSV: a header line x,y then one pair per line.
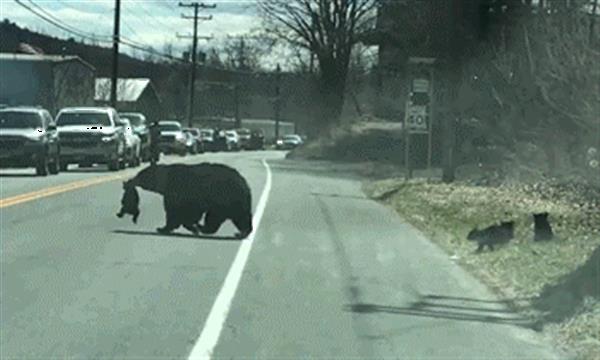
x,y
31,137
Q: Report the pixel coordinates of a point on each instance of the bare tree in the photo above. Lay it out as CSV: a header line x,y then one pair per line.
x,y
327,28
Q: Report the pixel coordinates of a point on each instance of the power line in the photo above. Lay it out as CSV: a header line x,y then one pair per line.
x,y
123,40
50,15
61,25
74,31
145,10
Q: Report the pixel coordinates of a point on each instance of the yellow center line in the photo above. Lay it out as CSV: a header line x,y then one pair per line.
x,y
22,198
75,185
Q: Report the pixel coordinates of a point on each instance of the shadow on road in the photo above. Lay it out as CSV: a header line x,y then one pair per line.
x,y
179,235
442,308
563,299
442,297
95,169
17,175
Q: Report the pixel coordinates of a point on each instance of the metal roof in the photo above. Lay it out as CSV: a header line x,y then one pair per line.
x,y
28,109
128,90
43,58
88,109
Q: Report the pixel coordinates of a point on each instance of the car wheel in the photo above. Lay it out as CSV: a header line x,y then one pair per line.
x,y
64,166
42,167
122,164
113,165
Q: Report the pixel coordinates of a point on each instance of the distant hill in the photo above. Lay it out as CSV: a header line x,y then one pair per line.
x,y
100,57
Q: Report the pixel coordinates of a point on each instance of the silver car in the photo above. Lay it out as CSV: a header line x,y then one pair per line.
x,y
133,144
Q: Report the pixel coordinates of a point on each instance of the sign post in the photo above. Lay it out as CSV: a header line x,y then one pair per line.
x,y
418,117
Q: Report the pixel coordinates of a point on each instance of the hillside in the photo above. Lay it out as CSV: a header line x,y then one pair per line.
x,y
100,57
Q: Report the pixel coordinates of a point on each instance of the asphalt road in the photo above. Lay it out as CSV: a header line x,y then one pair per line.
x,y
328,274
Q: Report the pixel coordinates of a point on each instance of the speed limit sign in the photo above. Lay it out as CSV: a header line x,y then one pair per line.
x,y
416,118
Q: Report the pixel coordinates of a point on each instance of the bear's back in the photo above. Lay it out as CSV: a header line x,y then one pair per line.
x,y
209,183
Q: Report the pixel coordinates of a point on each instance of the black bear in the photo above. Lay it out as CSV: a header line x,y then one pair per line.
x,y
492,235
189,192
130,202
542,229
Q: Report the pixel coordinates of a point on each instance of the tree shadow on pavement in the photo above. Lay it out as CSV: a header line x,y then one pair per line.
x,y
442,307
561,301
178,235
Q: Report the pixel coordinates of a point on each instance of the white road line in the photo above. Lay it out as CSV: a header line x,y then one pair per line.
x,y
205,345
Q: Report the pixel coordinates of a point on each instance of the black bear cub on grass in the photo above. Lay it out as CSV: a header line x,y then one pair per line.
x,y
492,235
215,191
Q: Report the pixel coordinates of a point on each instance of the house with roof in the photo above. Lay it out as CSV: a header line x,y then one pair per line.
x,y
49,81
133,95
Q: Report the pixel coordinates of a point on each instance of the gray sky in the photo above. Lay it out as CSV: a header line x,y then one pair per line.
x,y
149,22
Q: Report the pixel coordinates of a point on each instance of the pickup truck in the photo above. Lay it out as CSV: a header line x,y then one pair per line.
x,y
91,135
28,138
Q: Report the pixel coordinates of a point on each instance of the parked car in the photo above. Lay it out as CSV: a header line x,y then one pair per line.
x,y
141,129
132,145
244,138
28,138
288,142
91,135
208,139
233,140
172,137
257,140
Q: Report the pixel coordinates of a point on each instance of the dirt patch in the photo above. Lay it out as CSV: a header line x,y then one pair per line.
x,y
556,283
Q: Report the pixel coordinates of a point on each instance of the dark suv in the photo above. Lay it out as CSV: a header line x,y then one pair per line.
x,y
28,138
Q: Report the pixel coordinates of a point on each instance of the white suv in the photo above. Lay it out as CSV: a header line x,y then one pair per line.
x,y
91,135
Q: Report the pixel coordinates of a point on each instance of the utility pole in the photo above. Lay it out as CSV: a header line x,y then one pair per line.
x,y
236,96
593,21
196,7
277,100
115,65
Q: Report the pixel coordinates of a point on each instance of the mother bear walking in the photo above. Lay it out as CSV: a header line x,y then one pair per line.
x,y
191,191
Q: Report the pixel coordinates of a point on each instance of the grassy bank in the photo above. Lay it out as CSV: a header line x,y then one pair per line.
x,y
557,283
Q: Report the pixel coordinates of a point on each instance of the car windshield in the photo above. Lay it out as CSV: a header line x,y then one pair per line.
x,y
83,118
243,132
169,127
291,137
134,119
19,120
206,133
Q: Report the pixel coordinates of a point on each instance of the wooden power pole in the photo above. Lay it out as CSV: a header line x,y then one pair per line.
x,y
115,64
277,100
195,37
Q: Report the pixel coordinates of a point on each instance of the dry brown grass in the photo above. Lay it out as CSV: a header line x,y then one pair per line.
x,y
551,279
